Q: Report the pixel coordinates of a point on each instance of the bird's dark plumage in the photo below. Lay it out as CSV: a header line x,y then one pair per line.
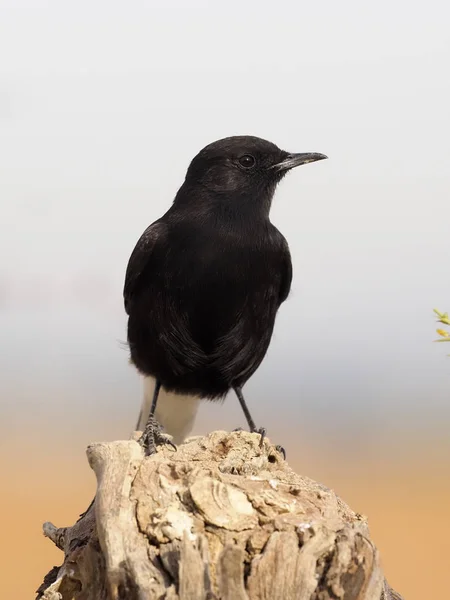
x,y
205,281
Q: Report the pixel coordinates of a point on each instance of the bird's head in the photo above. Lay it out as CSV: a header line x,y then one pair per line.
x,y
244,166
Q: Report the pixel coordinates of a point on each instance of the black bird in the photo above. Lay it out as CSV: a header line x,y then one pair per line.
x,y
205,281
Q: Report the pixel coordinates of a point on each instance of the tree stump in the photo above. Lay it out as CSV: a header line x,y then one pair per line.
x,y
220,518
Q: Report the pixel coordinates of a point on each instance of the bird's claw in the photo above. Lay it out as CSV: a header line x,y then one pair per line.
x,y
262,433
280,449
153,437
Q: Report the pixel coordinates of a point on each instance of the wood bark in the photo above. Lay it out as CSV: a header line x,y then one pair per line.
x,y
220,518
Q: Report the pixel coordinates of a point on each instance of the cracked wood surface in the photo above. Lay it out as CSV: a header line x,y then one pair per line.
x,y
220,518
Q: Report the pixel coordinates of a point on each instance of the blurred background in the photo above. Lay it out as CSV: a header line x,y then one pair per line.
x,y
102,106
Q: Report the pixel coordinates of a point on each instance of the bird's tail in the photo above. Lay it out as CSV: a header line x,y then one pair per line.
x,y
175,412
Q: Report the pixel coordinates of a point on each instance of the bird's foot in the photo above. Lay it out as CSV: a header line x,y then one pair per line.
x,y
153,437
262,433
260,430
280,449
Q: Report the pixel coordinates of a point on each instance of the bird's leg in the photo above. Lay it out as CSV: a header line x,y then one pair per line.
x,y
155,396
153,435
251,423
248,416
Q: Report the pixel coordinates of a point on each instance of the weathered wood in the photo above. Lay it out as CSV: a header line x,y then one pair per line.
x,y
220,518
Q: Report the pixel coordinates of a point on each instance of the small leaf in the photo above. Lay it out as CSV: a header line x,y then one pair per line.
x,y
443,333
443,317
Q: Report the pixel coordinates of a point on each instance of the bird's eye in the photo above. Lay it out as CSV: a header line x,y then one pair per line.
x,y
247,161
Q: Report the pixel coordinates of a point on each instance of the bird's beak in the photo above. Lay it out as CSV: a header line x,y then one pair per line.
x,y
295,160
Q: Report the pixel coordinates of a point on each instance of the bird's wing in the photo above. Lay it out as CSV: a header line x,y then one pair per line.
x,y
286,273
140,260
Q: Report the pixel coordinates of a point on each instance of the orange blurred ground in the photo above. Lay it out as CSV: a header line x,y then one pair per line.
x,y
408,507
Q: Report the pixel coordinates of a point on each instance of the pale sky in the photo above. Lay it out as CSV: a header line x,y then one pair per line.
x,y
102,107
